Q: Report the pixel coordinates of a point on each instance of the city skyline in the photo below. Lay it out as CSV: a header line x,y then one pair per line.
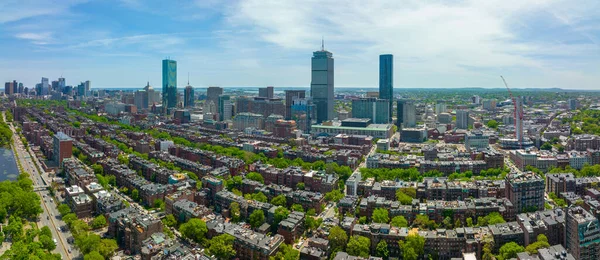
x,y
551,44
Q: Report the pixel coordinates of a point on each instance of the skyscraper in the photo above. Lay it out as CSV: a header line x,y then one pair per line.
x,y
225,108
399,112
265,92
409,114
386,80
519,119
188,96
62,147
290,95
169,83
321,85
45,87
462,119
375,109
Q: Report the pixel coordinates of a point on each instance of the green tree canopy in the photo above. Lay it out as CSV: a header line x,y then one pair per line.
x,y
255,176
221,246
359,246
194,229
380,215
279,200
399,221
257,218
509,250
338,239
382,249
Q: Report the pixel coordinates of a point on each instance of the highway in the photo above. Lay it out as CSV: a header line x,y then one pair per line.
x,y
50,215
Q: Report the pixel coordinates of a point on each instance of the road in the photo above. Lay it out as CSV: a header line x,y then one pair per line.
x,y
49,216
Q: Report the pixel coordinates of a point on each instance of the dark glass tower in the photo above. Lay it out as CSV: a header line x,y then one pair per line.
x,y
321,85
386,80
169,83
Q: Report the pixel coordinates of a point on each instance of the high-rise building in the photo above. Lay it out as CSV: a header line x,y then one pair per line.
x,y
225,108
9,87
188,96
489,104
525,191
440,107
45,87
303,112
519,119
21,88
321,85
375,109
169,83
386,80
63,147
145,98
290,95
213,93
265,92
406,114
244,120
462,119
61,84
582,234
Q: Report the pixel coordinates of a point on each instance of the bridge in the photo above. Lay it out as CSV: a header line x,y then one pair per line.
x,y
40,187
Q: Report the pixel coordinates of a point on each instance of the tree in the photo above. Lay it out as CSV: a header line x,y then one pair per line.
x,y
542,242
311,223
300,186
487,252
281,213
98,169
235,212
279,200
87,242
257,218
492,124
98,222
404,198
412,247
297,207
382,249
221,246
94,255
64,209
510,250
194,229
334,195
286,252
69,218
159,204
135,195
494,218
45,231
255,176
362,220
447,222
399,221
170,220
47,242
380,215
259,196
338,239
423,221
546,146
359,246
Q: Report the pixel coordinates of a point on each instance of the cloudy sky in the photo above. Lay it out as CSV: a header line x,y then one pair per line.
x,y
444,43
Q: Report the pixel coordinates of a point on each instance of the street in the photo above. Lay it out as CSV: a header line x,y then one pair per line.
x,y
49,216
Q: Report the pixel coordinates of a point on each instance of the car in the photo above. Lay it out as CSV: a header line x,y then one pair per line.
x,y
48,217
69,250
55,242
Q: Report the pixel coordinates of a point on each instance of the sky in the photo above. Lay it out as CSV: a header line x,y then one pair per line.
x,y
436,44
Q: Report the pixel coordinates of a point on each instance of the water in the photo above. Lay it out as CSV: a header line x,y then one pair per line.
x,y
8,165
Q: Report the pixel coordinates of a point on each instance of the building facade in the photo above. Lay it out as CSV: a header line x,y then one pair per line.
x,y
376,109
321,85
169,83
386,81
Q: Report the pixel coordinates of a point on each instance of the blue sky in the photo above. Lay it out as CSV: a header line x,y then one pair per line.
x,y
458,43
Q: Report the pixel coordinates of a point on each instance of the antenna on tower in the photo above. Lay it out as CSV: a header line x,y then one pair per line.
x,y
188,78
322,43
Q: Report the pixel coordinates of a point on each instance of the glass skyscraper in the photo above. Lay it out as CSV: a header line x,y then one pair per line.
x,y
321,85
386,80
375,109
169,83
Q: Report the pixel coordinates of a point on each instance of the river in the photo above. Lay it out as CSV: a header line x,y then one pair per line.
x,y
8,165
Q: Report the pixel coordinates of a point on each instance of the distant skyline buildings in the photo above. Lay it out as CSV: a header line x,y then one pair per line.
x,y
322,84
266,92
373,108
169,83
386,80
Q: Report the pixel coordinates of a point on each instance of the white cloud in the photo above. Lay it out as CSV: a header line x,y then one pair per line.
x,y
36,38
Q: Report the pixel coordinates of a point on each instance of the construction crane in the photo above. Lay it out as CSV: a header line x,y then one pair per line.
x,y
517,115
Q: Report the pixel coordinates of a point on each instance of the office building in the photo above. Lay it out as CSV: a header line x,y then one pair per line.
x,y
145,98
303,112
525,191
44,87
353,126
260,105
188,96
386,81
9,87
375,109
62,84
244,120
63,147
290,96
169,83
582,234
440,107
213,93
265,92
489,104
462,119
225,108
321,85
406,113
476,140
519,119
